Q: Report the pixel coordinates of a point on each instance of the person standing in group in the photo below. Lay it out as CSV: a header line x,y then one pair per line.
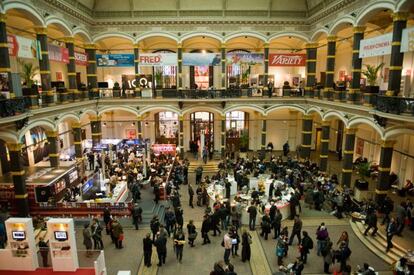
x,y
192,233
227,244
96,229
277,223
305,245
252,210
170,220
391,230
199,174
246,242
280,250
107,219
265,226
205,228
44,251
235,240
155,226
327,255
87,239
147,245
296,230
161,245
322,236
118,234
136,215
190,195
179,241
156,192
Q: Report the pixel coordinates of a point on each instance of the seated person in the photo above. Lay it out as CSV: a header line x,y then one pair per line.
x,y
255,194
366,270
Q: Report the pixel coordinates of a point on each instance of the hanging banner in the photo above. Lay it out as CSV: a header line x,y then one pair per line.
x,y
287,60
376,46
245,58
201,59
115,60
158,59
407,40
58,54
21,47
81,59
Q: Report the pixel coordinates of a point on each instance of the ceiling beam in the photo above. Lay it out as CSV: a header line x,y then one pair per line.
x,y
94,4
178,7
269,8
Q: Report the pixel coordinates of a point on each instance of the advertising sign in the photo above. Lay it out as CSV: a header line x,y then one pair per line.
x,y
158,59
58,54
81,59
145,81
164,148
21,47
287,60
245,58
407,40
376,46
201,59
115,60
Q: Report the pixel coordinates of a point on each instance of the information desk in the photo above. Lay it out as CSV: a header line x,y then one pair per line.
x,y
119,194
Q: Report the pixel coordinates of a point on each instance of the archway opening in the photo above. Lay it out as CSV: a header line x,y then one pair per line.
x,y
202,131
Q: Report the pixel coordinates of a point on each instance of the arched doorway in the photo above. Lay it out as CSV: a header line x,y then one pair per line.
x,y
202,123
166,127
237,131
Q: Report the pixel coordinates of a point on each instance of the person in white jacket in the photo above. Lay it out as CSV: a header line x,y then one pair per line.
x,y
227,243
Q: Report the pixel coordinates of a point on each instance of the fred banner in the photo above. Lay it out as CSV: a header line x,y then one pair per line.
x,y
158,59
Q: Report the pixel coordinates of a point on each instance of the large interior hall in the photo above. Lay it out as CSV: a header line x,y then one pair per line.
x,y
219,137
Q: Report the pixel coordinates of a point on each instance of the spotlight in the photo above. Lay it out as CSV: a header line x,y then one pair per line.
x,y
146,123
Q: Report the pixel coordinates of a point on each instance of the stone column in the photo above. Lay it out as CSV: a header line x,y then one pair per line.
x,y
181,138
139,127
73,92
136,65
4,53
19,182
53,140
180,66
354,91
223,67
264,131
266,68
330,69
383,183
323,157
311,52
307,125
91,68
348,156
223,135
48,96
397,57
96,130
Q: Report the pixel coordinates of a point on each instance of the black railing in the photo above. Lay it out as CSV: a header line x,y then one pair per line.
x,y
395,105
13,106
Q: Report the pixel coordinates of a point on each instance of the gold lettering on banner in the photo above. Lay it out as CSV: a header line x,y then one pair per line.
x,y
410,40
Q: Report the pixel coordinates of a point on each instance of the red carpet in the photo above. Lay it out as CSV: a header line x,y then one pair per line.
x,y
48,271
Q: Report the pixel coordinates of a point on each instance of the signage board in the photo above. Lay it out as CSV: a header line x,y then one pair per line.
x,y
158,59
287,60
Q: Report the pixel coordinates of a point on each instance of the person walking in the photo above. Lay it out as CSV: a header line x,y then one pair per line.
x,y
322,236
190,195
205,155
327,255
205,228
96,229
155,226
277,223
192,233
107,219
156,192
179,241
161,245
280,250
170,220
391,230
199,174
371,221
252,210
305,245
147,245
227,243
87,239
136,215
265,226
246,242
296,230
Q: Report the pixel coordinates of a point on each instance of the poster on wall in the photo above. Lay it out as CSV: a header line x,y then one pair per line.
x,y
59,76
386,74
359,150
4,81
58,54
22,47
131,133
287,60
158,59
342,75
145,81
115,60
376,46
245,58
201,59
407,40
81,59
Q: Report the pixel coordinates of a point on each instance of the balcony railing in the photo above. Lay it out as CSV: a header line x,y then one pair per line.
x,y
395,105
13,106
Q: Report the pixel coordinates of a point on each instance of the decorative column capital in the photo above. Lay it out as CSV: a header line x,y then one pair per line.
x,y
359,29
3,17
331,38
326,123
350,131
14,147
76,125
179,45
223,45
307,117
95,118
52,134
312,45
40,30
139,117
266,45
69,39
90,46
399,16
136,45
388,143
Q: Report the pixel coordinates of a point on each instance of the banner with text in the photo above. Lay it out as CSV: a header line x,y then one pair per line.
x,y
58,54
115,60
81,59
376,46
245,58
158,59
287,60
407,41
22,47
130,82
201,59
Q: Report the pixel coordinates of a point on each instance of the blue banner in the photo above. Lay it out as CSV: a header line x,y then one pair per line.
x,y
115,60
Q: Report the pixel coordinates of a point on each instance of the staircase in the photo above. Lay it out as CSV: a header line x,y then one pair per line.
x,y
147,214
378,244
211,166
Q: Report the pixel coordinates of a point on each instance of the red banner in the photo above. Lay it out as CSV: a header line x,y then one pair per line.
x,y
58,54
287,60
81,59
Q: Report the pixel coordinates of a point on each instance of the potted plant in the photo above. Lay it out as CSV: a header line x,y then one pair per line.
x,y
116,90
363,171
27,72
371,73
244,141
158,79
245,78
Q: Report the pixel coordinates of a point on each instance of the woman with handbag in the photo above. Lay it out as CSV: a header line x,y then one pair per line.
x,y
192,233
246,242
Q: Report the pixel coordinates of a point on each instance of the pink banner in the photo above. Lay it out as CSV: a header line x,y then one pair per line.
x,y
287,60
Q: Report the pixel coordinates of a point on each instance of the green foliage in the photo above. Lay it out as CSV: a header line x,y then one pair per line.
x,y
27,72
371,73
363,170
116,85
244,140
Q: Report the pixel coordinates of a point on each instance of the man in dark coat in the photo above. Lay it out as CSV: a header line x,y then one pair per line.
x,y
252,210
147,244
296,230
205,228
156,193
136,215
277,223
161,245
190,195
227,184
305,245
371,221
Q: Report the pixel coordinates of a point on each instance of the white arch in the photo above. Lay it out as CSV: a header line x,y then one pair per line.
x,y
84,32
241,107
347,19
156,34
315,110
117,108
355,121
202,108
45,123
392,133
55,20
284,106
404,5
336,114
195,34
298,35
246,33
104,35
86,112
379,5
23,5
318,32
159,108
66,116
9,136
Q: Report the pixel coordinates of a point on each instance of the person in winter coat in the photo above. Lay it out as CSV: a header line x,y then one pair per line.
x,y
276,223
87,239
246,241
147,245
161,245
235,241
305,245
179,240
322,236
118,234
155,226
280,250
192,233
296,230
136,215
371,221
107,219
327,255
96,230
205,228
265,226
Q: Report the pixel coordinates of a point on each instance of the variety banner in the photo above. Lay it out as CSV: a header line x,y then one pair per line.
x,y
407,41
245,58
22,47
376,46
158,59
115,60
201,59
287,60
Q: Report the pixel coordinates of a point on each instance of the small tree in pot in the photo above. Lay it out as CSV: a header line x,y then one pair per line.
x,y
27,72
244,141
116,90
363,170
371,73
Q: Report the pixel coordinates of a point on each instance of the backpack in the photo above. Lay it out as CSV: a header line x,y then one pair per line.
x,y
280,251
310,243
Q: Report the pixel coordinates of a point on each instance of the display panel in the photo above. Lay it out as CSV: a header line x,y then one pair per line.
x,y
19,235
73,176
61,235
